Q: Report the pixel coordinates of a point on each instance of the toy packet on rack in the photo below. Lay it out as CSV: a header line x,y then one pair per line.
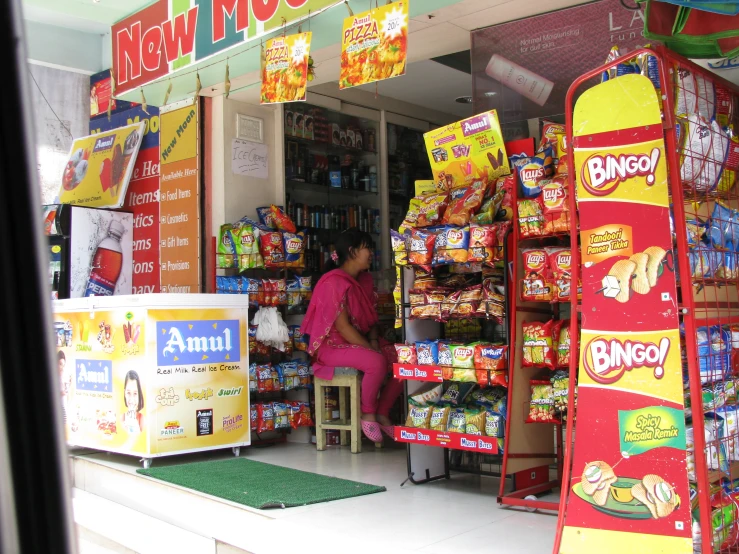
x,y
467,151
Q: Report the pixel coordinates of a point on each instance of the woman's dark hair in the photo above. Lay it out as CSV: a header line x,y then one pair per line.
x,y
133,376
60,356
351,240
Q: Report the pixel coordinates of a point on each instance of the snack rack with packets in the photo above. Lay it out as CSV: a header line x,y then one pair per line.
x,y
540,347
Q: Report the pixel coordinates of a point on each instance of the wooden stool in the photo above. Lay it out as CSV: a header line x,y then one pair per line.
x,y
347,380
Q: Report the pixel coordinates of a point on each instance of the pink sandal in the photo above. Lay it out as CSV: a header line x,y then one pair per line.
x,y
389,430
371,430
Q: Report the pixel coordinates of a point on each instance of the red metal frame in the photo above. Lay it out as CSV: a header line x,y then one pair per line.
x,y
667,62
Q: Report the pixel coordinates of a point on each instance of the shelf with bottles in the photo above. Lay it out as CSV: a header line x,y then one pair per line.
x,y
318,126
334,218
329,191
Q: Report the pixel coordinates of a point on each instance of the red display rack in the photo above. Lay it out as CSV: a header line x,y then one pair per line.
x,y
415,372
458,441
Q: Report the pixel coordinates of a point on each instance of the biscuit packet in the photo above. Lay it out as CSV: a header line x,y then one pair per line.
x,y
418,416
474,418
440,418
541,406
457,420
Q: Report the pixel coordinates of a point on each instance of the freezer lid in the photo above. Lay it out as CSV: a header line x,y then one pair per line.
x,y
168,301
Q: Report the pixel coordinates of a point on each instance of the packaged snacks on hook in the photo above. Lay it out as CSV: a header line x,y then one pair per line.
x,y
474,420
451,245
456,393
530,218
541,407
457,420
427,352
399,244
406,354
532,171
266,217
464,202
439,418
421,251
282,220
418,416
272,249
491,357
540,343
265,417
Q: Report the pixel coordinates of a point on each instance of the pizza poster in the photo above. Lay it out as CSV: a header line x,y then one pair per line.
x,y
374,45
629,482
285,71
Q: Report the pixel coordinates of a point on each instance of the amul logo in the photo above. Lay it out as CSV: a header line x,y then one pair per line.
x,y
601,175
606,361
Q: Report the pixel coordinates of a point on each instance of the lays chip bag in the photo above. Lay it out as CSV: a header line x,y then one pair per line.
x,y
537,282
294,245
532,171
556,208
463,357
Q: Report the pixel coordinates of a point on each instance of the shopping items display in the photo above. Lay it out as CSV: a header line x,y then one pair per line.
x,y
279,415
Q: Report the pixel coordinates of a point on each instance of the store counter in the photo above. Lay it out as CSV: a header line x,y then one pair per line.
x,y
154,375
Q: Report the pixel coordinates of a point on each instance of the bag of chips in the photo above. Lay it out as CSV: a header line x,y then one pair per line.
x,y
423,279
288,372
555,206
491,357
463,357
474,420
282,220
538,284
466,376
494,424
456,393
457,420
294,248
445,353
265,417
439,418
427,210
300,414
549,132
483,243
530,218
226,257
560,269
540,343
266,217
506,184
265,383
272,249
427,394
282,415
418,416
560,390
451,245
406,354
563,345
427,352
532,171
562,165
703,152
253,383
541,406
304,373
464,202
300,341
253,417
399,244
421,251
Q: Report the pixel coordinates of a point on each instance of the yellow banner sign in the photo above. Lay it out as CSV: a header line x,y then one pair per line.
x,y
374,45
285,71
178,134
99,168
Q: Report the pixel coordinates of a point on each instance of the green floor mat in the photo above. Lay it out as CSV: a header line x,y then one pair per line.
x,y
259,485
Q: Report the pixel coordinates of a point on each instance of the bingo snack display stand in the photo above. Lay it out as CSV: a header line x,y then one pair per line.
x,y
690,449
154,375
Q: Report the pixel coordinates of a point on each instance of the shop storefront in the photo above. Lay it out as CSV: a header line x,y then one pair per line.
x,y
534,256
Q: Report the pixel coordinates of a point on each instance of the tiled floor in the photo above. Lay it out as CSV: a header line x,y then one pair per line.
x,y
438,517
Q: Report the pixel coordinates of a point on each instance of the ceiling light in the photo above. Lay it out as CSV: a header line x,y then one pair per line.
x,y
463,100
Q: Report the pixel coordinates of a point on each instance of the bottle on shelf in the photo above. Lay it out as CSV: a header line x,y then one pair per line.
x,y
107,263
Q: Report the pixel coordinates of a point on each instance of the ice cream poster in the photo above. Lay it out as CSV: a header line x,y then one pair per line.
x,y
374,45
99,168
285,70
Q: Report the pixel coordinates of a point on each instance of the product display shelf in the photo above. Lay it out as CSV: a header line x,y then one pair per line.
x,y
530,449
486,450
709,306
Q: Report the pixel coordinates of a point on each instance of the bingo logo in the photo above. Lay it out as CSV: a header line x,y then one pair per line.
x,y
601,175
606,361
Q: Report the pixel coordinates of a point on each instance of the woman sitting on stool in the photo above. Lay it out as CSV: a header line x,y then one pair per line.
x,y
341,324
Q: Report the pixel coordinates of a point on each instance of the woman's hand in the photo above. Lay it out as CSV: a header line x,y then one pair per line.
x,y
349,333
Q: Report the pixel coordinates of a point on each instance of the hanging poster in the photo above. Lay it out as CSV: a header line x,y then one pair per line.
x,y
374,45
629,483
99,168
285,73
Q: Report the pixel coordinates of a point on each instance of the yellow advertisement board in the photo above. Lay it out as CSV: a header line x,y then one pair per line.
x,y
285,71
178,134
374,45
99,168
154,382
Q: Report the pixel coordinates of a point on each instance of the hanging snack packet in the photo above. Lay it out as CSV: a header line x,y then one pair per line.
x,y
530,218
439,418
253,383
265,383
549,132
463,357
421,250
272,249
703,152
247,248
466,376
474,420
728,177
562,166
398,243
423,279
464,202
300,340
445,353
427,394
560,389
563,345
482,376
556,209
456,393
289,375
294,245
541,407
430,209
418,416
304,374
483,243
457,420
282,415
226,253
506,185
540,343
537,282
265,417
494,424
253,417
560,268
491,356
282,220
266,217
532,171
427,352
451,245
406,354
723,229
300,415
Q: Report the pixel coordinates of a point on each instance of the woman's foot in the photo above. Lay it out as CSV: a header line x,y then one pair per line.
x,y
386,425
371,430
